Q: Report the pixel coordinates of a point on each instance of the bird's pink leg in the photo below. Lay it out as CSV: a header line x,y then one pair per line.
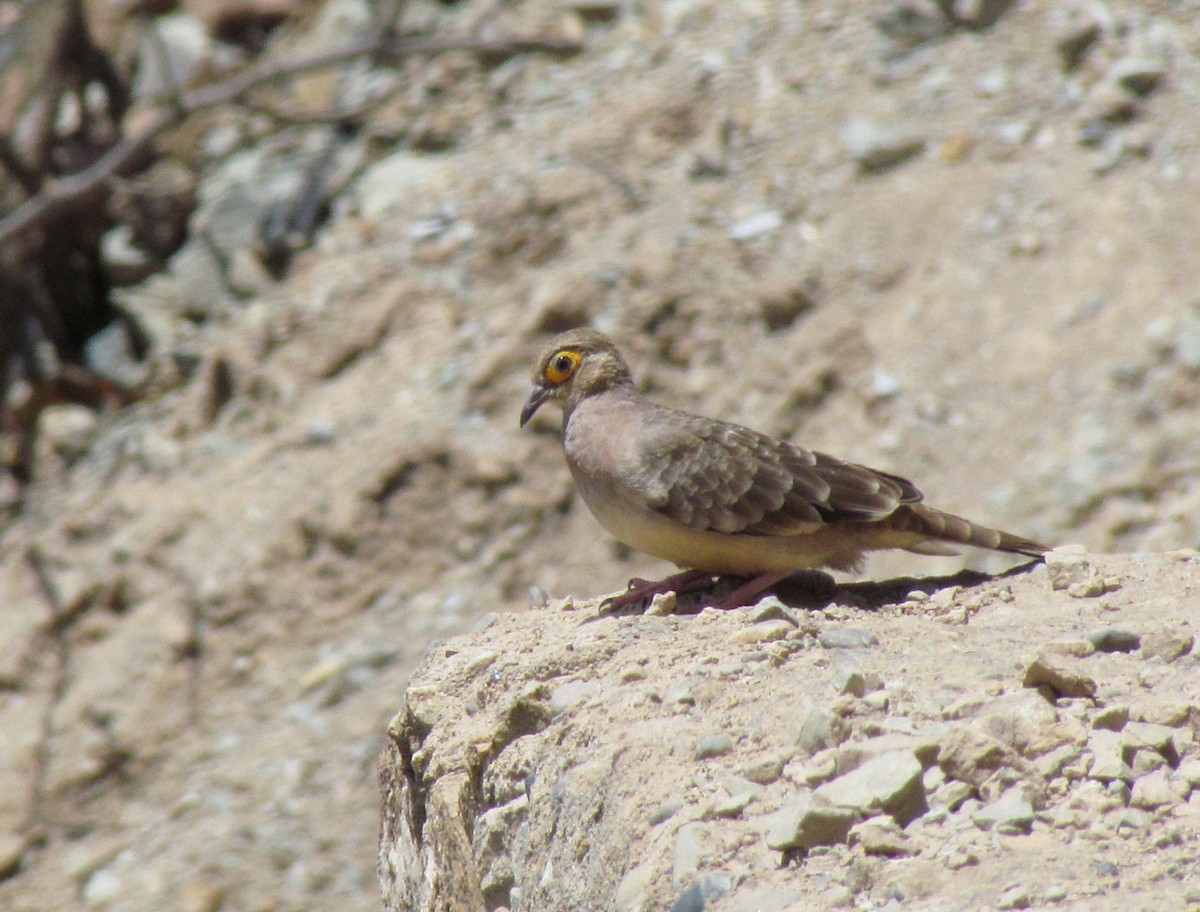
x,y
748,592
644,590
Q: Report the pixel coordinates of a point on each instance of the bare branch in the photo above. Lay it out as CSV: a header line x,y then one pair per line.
x,y
148,124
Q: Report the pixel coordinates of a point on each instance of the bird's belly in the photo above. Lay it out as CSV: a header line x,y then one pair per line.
x,y
717,552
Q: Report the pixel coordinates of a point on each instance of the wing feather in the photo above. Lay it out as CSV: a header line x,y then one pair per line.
x,y
715,476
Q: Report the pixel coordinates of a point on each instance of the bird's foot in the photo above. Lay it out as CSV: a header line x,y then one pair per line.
x,y
748,592
644,590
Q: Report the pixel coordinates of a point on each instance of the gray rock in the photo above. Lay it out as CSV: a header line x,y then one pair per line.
x,y
820,730
1157,789
690,900
631,891
890,782
806,822
665,812
1108,757
1137,736
764,771
847,638
850,681
1011,813
1138,75
1074,34
686,858
1113,718
876,148
882,836
713,746
1018,897
1114,639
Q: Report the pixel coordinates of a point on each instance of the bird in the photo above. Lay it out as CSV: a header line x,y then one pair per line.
x,y
717,498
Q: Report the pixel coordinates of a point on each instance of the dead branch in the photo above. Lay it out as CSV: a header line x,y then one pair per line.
x,y
146,125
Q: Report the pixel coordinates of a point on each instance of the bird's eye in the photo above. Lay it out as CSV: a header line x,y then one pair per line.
x,y
562,366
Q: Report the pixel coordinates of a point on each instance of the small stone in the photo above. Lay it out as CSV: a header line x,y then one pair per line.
x,y
890,782
690,900
764,771
770,609
1017,897
1167,645
847,638
1077,31
686,859
881,835
662,604
1011,813
1061,674
758,224
1055,893
1065,566
1114,639
876,148
713,746
665,812
102,888
1137,736
1138,75
1155,790
731,805
950,795
974,757
12,854
804,823
1113,718
1108,761
849,681
630,893
764,632
821,729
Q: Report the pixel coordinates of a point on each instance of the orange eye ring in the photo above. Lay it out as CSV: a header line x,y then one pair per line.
x,y
560,368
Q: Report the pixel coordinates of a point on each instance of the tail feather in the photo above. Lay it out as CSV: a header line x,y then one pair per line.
x,y
950,528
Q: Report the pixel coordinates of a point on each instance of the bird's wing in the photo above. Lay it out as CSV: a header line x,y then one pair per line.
x,y
715,476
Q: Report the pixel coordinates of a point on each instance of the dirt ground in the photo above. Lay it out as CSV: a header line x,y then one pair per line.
x,y
929,246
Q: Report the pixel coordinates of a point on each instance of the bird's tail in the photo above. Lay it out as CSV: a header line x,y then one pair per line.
x,y
946,527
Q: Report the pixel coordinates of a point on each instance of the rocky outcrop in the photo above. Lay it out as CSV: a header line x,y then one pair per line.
x,y
911,741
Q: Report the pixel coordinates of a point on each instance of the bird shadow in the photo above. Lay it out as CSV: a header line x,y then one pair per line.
x,y
813,590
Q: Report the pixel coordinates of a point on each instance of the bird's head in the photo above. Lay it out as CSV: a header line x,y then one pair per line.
x,y
574,365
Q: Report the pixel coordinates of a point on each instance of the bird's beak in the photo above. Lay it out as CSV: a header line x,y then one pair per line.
x,y
537,396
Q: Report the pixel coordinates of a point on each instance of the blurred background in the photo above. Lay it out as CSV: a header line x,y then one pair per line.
x,y
272,273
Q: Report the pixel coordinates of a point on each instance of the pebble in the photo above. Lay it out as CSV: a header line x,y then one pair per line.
x,y
1167,645
1114,639
849,681
821,729
1155,790
1062,674
665,812
891,782
804,823
882,836
630,893
1011,813
1017,897
758,224
1138,75
686,858
1113,718
764,771
763,632
877,148
690,900
847,638
1108,757
713,746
